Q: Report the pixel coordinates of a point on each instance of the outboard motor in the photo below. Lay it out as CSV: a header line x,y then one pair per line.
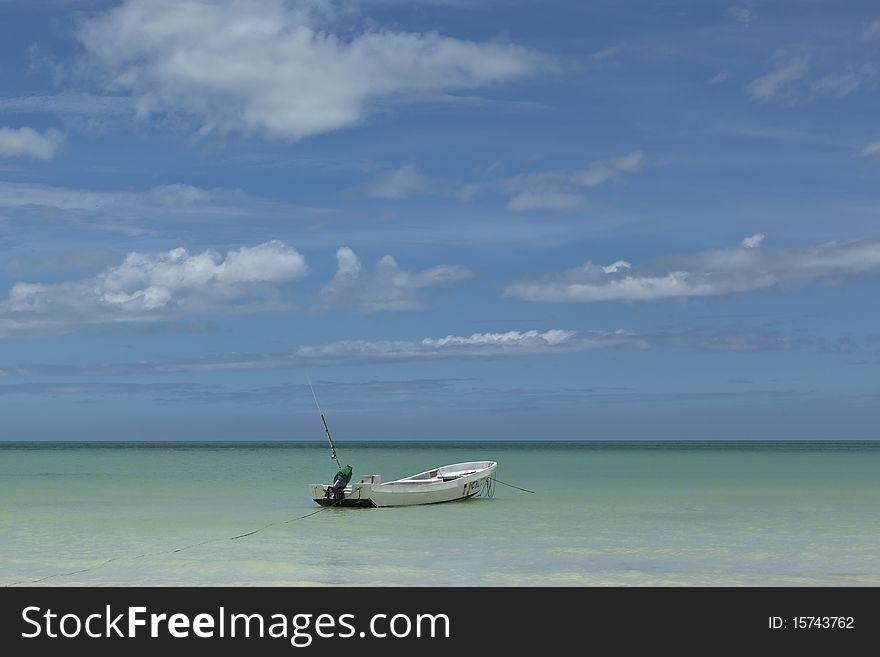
x,y
337,488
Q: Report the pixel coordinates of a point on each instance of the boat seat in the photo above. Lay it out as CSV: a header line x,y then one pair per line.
x,y
449,476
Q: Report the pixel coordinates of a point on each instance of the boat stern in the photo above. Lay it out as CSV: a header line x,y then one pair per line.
x,y
356,495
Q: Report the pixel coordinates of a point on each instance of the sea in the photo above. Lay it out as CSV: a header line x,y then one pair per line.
x,y
677,513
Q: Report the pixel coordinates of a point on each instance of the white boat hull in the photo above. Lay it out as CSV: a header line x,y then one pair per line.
x,y
447,483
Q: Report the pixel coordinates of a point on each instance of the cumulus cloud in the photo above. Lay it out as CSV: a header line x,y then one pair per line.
x,y
402,183
282,69
777,83
510,343
27,142
507,344
871,149
708,273
389,287
754,241
530,343
559,190
149,287
718,78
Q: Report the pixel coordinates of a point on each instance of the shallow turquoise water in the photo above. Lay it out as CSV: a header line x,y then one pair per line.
x,y
676,513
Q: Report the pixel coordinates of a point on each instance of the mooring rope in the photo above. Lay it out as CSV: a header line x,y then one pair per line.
x,y
174,551
283,522
211,540
525,490
489,489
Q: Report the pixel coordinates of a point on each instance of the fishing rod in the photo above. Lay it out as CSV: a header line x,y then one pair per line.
x,y
326,428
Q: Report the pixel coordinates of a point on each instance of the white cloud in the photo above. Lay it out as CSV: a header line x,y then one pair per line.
x,y
402,183
545,200
149,287
707,273
777,83
719,77
616,266
27,142
546,190
136,212
28,195
549,338
606,53
388,288
740,14
602,171
753,241
476,345
871,149
790,81
839,85
65,198
872,30
282,69
68,103
510,343
558,190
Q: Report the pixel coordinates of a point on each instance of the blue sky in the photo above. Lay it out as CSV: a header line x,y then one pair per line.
x,y
464,220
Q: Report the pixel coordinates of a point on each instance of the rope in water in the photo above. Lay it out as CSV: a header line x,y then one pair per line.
x,y
283,522
174,551
210,540
525,490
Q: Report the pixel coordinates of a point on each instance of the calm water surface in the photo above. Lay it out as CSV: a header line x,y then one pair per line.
x,y
668,514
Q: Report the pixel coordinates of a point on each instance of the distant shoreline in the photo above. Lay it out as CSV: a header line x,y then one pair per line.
x,y
586,444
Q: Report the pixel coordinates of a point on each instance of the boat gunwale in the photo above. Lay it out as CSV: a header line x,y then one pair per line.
x,y
438,476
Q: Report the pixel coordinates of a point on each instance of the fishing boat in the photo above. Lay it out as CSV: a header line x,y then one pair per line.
x,y
447,483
